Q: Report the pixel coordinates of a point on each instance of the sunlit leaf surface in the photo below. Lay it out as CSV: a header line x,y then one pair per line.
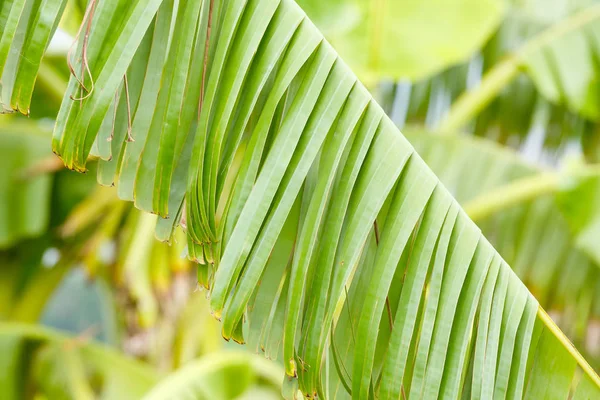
x,y
321,235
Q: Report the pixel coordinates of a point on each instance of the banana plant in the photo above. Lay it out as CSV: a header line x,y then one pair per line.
x,y
321,236
561,61
24,202
534,217
224,375
387,39
516,114
35,196
63,367
49,364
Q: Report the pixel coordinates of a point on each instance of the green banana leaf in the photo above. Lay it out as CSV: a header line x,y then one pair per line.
x,y
27,27
223,376
24,197
395,39
562,61
63,367
519,115
541,222
322,236
42,361
579,200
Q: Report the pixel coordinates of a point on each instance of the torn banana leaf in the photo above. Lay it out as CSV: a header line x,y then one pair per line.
x,y
251,129
26,27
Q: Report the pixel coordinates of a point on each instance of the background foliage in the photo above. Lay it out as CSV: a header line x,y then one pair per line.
x,y
500,100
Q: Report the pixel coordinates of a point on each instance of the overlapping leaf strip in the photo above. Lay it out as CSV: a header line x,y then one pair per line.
x,y
285,163
532,236
26,27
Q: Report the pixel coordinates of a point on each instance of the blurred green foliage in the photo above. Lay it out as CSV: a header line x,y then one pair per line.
x,y
522,75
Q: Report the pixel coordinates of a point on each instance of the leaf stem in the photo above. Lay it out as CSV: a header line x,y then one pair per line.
x,y
583,364
510,194
524,189
470,103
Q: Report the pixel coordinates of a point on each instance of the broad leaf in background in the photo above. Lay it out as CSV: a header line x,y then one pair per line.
x,y
25,193
519,116
546,11
63,367
579,200
44,362
333,17
12,381
562,61
397,39
223,376
307,209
